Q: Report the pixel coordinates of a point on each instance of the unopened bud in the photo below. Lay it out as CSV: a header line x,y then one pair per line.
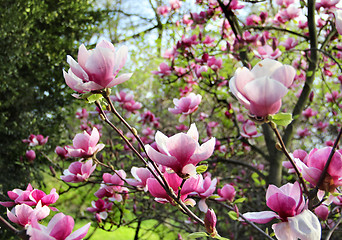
x,y
210,222
108,92
135,132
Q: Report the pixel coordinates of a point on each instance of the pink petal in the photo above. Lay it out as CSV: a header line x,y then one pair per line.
x,y
83,55
283,231
260,217
120,60
75,167
122,78
61,226
81,141
193,132
94,137
182,147
162,159
284,205
79,233
265,68
285,75
204,151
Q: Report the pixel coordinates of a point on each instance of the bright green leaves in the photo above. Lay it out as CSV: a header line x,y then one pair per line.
x,y
281,119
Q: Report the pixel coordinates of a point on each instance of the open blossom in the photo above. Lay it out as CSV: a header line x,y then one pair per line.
x,y
31,197
78,171
267,52
59,228
101,208
140,177
206,189
97,68
327,4
313,164
287,203
112,186
22,214
181,152
190,185
34,140
260,90
85,144
186,105
249,130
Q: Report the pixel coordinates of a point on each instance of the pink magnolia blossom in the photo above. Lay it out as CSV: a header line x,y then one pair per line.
x,y
22,214
285,3
227,192
164,70
31,197
249,130
206,189
322,211
253,20
313,164
175,4
327,4
30,155
261,89
338,21
113,186
181,152
234,5
303,132
97,68
157,191
59,228
163,10
308,113
267,51
83,114
34,140
299,154
333,96
101,207
214,64
61,151
140,177
290,43
85,144
287,14
186,105
18,196
287,202
78,171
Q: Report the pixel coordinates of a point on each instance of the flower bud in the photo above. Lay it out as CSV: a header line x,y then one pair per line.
x,y
30,155
210,222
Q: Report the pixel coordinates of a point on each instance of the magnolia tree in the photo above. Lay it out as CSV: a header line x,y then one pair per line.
x,y
252,135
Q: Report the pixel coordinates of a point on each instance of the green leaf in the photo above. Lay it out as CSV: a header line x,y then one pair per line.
x,y
281,119
197,235
220,238
201,169
240,200
94,98
233,215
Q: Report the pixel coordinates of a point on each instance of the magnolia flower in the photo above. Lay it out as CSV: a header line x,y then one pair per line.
x,y
101,208
249,130
112,186
313,164
226,193
30,155
97,68
78,171
190,185
261,89
186,105
206,189
31,197
287,202
22,214
181,152
140,177
59,228
85,144
34,140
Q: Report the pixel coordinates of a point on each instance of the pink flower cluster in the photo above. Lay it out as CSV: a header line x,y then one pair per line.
x,y
186,105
